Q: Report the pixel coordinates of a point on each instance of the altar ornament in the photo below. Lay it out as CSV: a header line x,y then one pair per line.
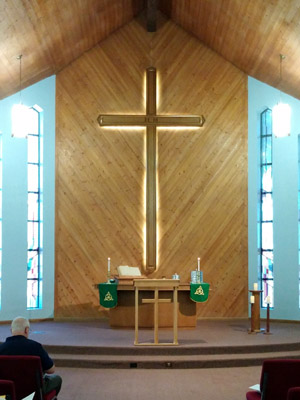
x,y
108,269
199,292
196,276
108,295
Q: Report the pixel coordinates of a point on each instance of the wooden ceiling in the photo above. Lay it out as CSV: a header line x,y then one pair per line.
x,y
50,34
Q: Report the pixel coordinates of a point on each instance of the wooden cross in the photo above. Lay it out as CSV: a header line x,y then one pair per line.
x,y
156,285
151,120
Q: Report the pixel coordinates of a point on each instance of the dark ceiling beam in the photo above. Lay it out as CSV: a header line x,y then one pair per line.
x,y
151,15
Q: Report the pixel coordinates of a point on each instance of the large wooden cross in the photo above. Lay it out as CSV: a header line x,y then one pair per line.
x,y
151,120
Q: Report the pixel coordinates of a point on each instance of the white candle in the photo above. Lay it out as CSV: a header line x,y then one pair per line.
x,y
255,286
252,300
268,300
108,265
198,263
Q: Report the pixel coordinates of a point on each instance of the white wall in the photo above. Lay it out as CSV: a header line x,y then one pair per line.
x,y
285,198
14,206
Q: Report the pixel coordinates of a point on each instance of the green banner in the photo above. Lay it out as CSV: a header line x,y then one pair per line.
x,y
199,292
108,294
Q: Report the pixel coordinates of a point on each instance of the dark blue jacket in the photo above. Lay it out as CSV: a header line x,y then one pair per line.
x,y
19,345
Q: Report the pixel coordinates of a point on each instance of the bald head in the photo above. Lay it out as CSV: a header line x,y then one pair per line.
x,y
20,326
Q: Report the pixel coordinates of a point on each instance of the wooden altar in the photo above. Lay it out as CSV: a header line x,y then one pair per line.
x,y
124,314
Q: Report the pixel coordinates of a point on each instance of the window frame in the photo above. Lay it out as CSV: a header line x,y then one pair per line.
x,y
266,167
35,245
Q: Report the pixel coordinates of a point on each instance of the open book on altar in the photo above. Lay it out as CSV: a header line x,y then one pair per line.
x,y
127,274
125,271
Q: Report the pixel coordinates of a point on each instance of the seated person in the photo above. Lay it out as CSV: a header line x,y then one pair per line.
x,y
19,345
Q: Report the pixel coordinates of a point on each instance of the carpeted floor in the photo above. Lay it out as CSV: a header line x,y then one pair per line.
x,y
186,384
208,333
97,362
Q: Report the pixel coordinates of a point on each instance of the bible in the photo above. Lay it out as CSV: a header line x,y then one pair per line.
x,y
127,274
126,271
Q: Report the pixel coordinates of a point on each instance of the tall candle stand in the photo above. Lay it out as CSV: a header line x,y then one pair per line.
x,y
255,311
267,331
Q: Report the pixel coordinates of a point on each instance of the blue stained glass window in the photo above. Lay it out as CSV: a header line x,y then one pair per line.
x,y
266,146
33,206
267,207
0,218
34,218
267,181
267,236
33,178
299,214
267,265
33,149
266,210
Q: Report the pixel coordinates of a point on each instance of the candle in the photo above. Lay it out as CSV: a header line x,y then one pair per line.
x,y
268,300
198,263
108,265
255,286
252,300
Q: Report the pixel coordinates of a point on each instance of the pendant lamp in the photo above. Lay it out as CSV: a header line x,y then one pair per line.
x,y
19,113
281,113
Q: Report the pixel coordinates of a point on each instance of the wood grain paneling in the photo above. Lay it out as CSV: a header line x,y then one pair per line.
x,y
52,34
202,173
250,34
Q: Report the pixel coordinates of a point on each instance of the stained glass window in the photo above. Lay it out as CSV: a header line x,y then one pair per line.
x,y
0,217
266,210
35,217
299,213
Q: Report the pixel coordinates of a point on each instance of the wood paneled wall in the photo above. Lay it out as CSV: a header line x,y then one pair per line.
x,y
202,173
51,34
250,34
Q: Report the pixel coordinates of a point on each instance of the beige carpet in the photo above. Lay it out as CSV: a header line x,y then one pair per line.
x,y
128,384
95,340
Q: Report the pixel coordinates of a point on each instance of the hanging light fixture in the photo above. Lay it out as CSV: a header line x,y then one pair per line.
x,y
19,113
281,113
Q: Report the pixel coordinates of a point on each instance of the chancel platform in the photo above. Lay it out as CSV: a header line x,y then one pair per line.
x,y
123,316
213,343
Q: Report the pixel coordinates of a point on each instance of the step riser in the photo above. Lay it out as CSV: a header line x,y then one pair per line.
x,y
174,351
164,364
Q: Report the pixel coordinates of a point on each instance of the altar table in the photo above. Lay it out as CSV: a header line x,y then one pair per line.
x,y
124,314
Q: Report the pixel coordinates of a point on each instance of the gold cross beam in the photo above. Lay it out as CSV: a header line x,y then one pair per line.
x,y
151,120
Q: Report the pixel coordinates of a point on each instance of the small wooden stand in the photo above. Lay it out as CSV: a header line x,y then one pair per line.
x,y
156,285
255,312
